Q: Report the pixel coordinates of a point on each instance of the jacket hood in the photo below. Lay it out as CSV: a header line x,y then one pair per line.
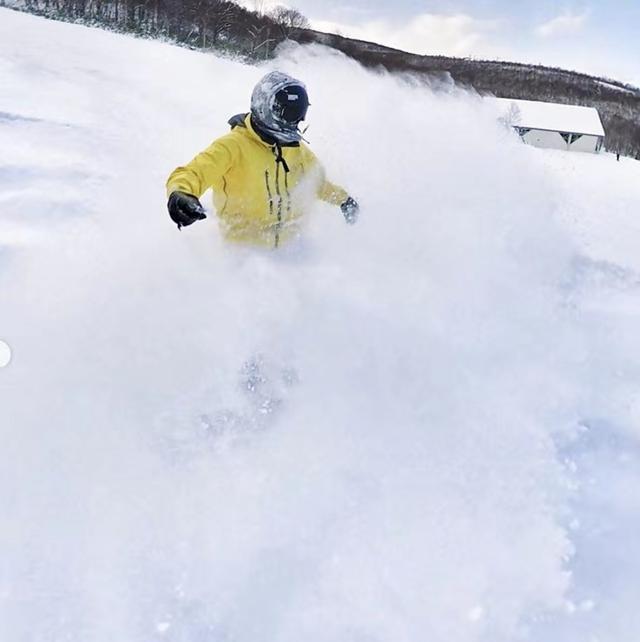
x,y
237,120
262,107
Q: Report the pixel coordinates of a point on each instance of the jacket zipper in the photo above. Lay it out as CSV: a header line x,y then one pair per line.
x,y
286,191
279,214
269,194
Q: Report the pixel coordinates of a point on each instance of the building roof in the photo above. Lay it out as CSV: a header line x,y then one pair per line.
x,y
554,117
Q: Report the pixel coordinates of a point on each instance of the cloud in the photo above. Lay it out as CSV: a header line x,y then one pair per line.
x,y
465,35
453,35
562,25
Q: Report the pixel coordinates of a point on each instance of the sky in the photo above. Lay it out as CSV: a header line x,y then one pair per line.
x,y
598,37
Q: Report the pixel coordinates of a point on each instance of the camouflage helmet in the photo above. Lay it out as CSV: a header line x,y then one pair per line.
x,y
278,104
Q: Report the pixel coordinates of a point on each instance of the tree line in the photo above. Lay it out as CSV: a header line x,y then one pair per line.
x,y
206,24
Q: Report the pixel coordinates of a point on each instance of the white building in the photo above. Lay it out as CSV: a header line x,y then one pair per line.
x,y
567,127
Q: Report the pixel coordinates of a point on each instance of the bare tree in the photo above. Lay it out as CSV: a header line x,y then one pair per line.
x,y
260,39
289,20
221,15
512,117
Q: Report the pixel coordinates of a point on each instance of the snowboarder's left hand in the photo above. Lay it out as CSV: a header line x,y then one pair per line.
x,y
350,209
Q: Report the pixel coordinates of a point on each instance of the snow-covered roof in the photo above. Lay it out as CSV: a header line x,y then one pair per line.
x,y
554,117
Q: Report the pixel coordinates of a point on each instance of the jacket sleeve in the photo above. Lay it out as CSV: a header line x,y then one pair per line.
x,y
204,171
332,193
327,191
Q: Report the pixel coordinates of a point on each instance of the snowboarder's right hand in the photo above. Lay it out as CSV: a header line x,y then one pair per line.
x,y
185,209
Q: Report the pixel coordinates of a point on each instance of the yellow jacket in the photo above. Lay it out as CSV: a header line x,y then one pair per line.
x,y
260,191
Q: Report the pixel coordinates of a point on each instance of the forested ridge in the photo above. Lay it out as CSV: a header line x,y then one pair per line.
x,y
617,103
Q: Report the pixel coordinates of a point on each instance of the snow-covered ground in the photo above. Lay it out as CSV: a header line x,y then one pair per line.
x,y
444,439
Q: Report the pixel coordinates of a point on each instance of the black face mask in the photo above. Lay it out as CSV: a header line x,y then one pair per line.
x,y
291,104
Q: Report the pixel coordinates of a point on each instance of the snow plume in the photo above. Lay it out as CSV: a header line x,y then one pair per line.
x,y
353,439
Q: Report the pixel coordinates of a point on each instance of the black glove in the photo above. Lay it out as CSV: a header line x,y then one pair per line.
x,y
350,209
185,209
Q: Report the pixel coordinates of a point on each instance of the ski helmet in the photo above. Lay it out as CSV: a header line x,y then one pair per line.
x,y
278,104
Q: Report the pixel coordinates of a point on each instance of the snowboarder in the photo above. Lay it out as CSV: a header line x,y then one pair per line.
x,y
263,176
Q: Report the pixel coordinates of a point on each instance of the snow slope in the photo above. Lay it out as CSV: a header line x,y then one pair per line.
x,y
442,442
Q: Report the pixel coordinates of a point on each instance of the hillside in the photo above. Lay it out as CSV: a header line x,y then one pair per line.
x,y
425,426
618,104
226,27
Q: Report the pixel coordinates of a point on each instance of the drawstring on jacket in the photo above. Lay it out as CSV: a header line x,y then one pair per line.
x,y
280,158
